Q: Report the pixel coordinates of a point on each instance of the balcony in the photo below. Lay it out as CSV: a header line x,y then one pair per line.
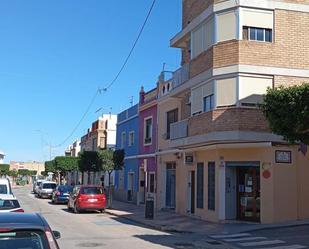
x,y
180,76
179,129
221,125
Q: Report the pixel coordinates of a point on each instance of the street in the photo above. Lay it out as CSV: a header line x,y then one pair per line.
x,y
96,230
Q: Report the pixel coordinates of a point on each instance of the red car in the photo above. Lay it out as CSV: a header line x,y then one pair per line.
x,y
87,197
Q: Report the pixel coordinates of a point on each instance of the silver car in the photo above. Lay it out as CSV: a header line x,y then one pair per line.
x,y
46,189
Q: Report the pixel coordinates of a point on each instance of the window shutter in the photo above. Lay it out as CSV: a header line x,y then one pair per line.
x,y
226,92
196,100
226,25
257,18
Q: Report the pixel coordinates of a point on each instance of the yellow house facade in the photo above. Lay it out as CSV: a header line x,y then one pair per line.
x,y
217,158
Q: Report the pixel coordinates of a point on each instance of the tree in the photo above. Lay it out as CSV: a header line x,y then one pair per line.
x,y
118,159
287,111
111,160
89,161
13,174
64,164
23,172
4,169
50,166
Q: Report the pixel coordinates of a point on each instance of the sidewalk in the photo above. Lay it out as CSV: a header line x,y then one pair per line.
x,y
172,222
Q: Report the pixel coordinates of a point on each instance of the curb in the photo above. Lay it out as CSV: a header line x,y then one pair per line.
x,y
162,228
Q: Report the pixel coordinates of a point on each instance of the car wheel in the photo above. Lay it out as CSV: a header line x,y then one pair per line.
x,y
76,210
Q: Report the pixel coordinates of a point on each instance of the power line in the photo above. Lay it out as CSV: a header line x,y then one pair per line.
x,y
82,118
133,47
103,90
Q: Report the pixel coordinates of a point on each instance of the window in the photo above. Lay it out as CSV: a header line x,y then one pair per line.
x,y
200,185
151,183
102,142
202,38
148,131
94,143
211,186
226,26
123,139
131,138
171,117
208,103
257,34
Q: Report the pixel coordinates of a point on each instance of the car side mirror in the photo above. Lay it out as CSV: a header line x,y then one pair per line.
x,y
57,234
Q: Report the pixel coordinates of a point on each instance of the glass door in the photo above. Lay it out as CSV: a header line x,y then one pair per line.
x,y
248,182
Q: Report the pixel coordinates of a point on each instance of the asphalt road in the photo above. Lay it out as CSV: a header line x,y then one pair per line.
x,y
96,230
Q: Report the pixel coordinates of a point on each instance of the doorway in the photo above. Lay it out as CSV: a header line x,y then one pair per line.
x,y
248,197
170,201
130,186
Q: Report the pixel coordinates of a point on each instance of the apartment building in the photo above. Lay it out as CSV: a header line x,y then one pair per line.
x,y
73,149
102,134
217,158
31,166
126,180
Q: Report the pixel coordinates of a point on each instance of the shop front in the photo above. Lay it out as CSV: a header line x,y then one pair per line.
x,y
243,192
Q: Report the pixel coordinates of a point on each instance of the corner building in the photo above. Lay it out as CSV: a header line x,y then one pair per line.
x,y
217,158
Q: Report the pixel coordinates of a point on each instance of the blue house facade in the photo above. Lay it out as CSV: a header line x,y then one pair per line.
x,y
126,180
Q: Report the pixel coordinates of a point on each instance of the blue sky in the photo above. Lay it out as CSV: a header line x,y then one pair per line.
x,y
55,54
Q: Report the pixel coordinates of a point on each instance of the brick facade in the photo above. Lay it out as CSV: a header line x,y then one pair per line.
x,y
193,8
289,81
228,119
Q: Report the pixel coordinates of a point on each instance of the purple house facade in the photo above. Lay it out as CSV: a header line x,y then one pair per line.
x,y
147,144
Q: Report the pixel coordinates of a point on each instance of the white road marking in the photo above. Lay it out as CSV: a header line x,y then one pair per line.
x,y
230,235
244,239
262,243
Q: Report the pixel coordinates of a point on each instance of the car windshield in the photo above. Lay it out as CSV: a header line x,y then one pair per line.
x,y
91,190
65,188
49,185
3,189
23,239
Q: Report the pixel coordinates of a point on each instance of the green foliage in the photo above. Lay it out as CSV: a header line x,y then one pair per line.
x,y
50,166
89,161
65,164
106,157
287,111
24,172
33,172
118,159
13,173
4,169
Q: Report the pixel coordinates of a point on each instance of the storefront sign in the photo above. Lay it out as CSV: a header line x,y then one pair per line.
x,y
283,156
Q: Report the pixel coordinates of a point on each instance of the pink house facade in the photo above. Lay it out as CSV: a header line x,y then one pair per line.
x,y
147,144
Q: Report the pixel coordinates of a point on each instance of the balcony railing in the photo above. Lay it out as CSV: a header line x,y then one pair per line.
x,y
179,129
180,76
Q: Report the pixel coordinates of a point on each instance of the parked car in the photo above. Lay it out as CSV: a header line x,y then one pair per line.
x,y
87,197
5,186
21,230
9,203
61,194
36,186
46,189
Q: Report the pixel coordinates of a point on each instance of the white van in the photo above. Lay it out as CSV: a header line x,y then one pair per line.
x,y
5,186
